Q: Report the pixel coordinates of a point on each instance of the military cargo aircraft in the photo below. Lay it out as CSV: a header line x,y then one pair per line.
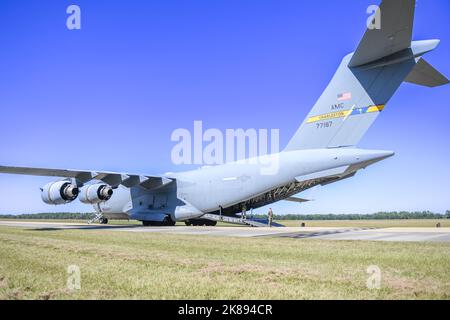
x,y
323,150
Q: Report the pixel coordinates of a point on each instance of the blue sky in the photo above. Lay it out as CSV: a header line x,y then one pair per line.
x,y
108,96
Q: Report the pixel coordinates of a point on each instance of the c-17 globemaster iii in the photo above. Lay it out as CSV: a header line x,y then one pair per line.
x,y
322,151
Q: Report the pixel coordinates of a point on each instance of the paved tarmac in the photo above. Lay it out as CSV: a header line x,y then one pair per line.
x,y
385,234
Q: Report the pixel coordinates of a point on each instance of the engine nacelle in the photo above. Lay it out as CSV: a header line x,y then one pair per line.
x,y
95,193
59,192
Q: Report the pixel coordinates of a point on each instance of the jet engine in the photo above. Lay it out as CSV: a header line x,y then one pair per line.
x,y
59,192
95,193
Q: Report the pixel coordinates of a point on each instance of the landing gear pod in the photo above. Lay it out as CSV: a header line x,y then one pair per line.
x,y
59,192
95,193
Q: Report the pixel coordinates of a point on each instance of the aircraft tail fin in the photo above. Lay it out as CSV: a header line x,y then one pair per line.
x,y
391,32
366,80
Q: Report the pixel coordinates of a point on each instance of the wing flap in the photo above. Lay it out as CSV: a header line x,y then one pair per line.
x,y
155,182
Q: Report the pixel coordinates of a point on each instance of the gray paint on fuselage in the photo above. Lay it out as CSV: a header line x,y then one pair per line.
x,y
209,188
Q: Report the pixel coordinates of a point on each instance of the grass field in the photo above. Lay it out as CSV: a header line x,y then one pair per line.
x,y
33,265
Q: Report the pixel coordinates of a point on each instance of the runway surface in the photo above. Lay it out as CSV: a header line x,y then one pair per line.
x,y
385,234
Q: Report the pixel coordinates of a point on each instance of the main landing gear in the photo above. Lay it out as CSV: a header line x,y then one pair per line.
x,y
98,218
167,222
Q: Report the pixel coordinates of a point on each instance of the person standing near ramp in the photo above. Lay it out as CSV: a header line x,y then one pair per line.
x,y
244,213
270,214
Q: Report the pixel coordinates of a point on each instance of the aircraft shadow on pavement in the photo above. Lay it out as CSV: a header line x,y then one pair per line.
x,y
95,227
303,235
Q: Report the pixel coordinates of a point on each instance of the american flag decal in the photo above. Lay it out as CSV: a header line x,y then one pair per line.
x,y
344,96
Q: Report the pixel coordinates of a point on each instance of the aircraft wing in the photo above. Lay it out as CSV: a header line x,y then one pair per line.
x,y
114,179
394,34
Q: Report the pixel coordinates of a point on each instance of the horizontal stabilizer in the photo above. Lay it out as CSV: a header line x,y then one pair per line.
x,y
298,200
424,74
393,35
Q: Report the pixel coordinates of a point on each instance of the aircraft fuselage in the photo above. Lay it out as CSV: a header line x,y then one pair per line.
x,y
246,183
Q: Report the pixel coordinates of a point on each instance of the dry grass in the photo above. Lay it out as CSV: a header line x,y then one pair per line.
x,y
33,265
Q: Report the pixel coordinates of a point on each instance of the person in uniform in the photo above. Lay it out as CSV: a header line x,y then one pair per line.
x,y
270,214
244,213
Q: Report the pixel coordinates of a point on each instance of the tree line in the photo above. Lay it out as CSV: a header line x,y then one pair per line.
x,y
50,215
402,215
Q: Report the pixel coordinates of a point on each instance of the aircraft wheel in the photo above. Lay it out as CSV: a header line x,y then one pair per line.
x,y
188,223
168,222
104,221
